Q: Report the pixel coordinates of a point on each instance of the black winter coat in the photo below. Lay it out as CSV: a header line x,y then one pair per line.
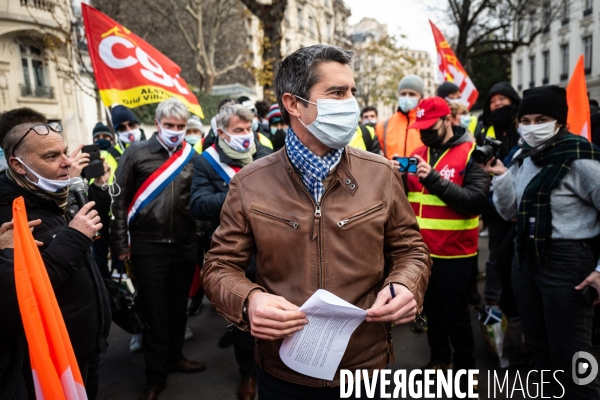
x,y
77,283
209,189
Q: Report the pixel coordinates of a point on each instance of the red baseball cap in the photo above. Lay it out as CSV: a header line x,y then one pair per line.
x,y
429,111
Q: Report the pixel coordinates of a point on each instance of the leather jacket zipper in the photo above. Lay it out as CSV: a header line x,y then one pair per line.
x,y
290,222
360,215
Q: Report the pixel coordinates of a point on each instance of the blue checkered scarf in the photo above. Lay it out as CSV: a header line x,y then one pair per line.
x,y
314,169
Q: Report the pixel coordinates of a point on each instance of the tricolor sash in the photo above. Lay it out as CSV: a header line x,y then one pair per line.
x,y
159,180
225,171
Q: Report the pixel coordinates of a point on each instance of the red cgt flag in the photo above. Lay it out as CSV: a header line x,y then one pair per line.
x,y
452,70
128,70
54,367
578,118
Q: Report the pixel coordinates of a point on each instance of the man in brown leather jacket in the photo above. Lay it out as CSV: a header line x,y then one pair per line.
x,y
152,213
318,215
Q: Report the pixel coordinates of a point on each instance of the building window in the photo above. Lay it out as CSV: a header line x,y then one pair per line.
x,y
587,54
328,30
547,15
546,78
566,12
311,26
531,71
564,55
35,73
519,75
300,19
588,7
520,29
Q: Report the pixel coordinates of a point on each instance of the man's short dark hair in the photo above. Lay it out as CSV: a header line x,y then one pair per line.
x,y
11,118
297,73
367,109
262,109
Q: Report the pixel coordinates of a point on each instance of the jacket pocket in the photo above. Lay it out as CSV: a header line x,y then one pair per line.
x,y
274,217
360,215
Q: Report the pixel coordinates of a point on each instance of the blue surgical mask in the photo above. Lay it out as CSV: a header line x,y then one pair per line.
x,y
407,103
465,120
254,125
336,121
193,139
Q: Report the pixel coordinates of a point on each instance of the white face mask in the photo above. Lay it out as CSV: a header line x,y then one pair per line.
x,y
407,103
536,134
336,121
131,136
465,121
49,185
170,137
241,143
370,121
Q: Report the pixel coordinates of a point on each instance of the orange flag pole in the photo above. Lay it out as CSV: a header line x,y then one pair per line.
x,y
54,367
578,118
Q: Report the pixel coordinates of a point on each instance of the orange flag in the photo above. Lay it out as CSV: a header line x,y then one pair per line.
x,y
578,118
54,367
452,70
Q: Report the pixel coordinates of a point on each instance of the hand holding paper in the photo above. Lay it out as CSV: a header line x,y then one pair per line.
x,y
318,348
399,310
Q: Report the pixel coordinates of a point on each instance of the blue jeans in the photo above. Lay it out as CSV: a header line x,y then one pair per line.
x,y
555,318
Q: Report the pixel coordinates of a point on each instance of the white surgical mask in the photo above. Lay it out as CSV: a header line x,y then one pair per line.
x,y
536,134
193,139
370,121
131,136
49,185
407,103
170,137
241,143
336,121
254,125
465,120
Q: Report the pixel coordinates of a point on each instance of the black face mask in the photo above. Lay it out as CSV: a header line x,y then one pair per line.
x,y
431,137
503,117
104,144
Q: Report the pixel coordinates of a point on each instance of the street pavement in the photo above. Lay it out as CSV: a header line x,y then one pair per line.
x,y
122,373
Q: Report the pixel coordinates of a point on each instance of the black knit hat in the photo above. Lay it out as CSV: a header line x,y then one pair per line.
x,y
446,89
122,114
503,88
549,100
100,128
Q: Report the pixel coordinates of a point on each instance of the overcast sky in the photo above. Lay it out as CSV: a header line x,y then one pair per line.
x,y
407,17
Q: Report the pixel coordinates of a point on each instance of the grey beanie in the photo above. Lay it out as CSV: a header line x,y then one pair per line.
x,y
413,82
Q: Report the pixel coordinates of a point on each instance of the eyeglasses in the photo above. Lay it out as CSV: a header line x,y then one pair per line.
x,y
42,130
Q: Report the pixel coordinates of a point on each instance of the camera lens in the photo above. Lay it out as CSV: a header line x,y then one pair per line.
x,y
483,154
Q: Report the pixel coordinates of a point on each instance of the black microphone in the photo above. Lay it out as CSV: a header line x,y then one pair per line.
x,y
77,187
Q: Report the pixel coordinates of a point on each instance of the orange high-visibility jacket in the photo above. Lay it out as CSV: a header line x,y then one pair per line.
x,y
395,137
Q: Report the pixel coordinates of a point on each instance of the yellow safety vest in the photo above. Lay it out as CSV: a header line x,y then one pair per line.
x,y
357,140
265,141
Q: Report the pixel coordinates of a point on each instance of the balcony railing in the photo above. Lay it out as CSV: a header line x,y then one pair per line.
x,y
38,91
43,5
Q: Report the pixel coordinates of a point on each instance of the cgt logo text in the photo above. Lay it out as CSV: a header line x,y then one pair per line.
x,y
429,384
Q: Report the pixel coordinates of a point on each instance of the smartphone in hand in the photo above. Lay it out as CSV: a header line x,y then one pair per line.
x,y
407,164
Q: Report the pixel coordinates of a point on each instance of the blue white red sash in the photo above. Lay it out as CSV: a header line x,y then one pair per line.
x,y
225,171
159,180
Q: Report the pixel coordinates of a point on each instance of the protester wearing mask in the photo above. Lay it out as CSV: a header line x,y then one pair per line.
x,y
449,92
365,138
295,210
447,193
194,134
498,121
209,140
127,128
39,172
210,185
395,138
261,132
368,116
461,117
277,126
551,187
153,227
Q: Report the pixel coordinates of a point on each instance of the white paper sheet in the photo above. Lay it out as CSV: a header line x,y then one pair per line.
x,y
317,350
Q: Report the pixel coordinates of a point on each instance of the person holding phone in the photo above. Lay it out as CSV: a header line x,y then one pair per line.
x,y
447,193
552,189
